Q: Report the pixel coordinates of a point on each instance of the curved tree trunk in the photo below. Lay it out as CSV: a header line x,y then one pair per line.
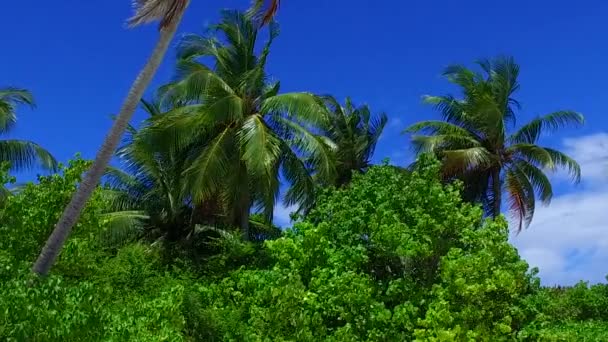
x,y
92,177
496,189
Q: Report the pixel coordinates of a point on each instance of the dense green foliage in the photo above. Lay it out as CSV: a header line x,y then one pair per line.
x,y
179,243
395,256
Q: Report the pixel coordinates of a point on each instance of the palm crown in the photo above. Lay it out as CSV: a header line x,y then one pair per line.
x,y
148,193
355,132
240,133
474,143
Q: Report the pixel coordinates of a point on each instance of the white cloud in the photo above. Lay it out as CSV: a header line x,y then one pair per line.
x,y
568,240
591,152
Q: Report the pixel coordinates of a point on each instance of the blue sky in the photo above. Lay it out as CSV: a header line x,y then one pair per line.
x,y
79,60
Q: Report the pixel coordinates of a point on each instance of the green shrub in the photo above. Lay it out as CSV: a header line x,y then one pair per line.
x,y
396,256
28,218
91,294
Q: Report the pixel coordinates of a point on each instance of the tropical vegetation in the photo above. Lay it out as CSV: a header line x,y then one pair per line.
x,y
176,240
476,145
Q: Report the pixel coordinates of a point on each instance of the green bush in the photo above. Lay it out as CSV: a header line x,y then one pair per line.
x,y
396,256
28,218
91,294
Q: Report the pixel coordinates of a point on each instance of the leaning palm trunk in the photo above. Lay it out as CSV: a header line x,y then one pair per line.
x,y
175,10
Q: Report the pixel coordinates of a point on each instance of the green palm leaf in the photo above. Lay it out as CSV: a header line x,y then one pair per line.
x,y
10,98
297,174
443,142
207,171
530,132
533,154
452,109
521,196
123,227
302,107
538,179
195,82
261,148
23,154
457,161
320,150
562,160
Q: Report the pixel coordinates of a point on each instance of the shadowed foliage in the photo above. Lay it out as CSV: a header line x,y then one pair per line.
x,y
355,131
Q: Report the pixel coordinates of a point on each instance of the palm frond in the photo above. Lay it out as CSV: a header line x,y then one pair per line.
x,y
10,98
530,132
318,150
374,131
302,187
303,107
165,11
534,154
123,227
459,161
442,142
537,178
264,11
153,108
23,154
207,171
195,82
462,76
452,110
259,145
521,197
440,127
560,159
17,96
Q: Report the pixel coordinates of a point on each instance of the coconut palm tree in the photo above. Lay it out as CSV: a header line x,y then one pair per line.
x,y
355,132
239,131
476,144
147,195
169,13
21,154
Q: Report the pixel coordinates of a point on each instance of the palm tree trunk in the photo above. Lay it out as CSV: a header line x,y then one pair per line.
x,y
496,189
72,212
244,216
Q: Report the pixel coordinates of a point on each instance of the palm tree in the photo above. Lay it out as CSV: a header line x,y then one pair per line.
x,y
355,132
21,154
169,13
474,144
239,131
148,194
